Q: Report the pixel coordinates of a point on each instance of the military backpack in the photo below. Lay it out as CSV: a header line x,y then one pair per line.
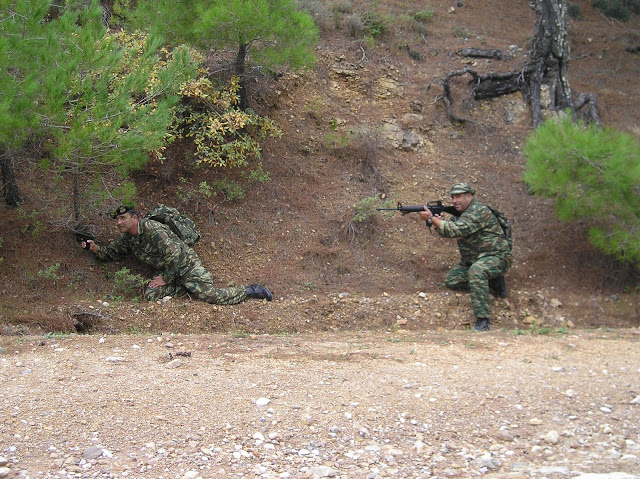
x,y
504,224
180,224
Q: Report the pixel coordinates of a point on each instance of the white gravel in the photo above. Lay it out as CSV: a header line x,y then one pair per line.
x,y
343,405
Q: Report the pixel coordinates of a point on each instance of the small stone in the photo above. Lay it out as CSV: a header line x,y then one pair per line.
x,y
505,435
535,421
552,437
262,401
93,452
5,471
636,400
318,472
176,363
606,409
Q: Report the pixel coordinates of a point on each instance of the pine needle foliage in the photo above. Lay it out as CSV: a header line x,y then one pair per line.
x,y
272,34
100,102
594,175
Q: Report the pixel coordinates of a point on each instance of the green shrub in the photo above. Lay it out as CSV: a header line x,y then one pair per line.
x,y
126,284
257,174
342,6
367,208
320,13
618,9
354,25
375,24
50,273
229,189
423,15
573,9
594,175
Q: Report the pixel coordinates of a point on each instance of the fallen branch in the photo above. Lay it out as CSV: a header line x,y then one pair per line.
x,y
482,53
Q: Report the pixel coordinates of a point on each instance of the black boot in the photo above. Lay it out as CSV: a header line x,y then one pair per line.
x,y
497,287
482,324
258,292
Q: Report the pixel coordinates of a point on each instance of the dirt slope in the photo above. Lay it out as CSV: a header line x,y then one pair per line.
x,y
344,125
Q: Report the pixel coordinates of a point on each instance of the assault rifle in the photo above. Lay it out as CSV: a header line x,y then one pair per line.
x,y
80,237
436,208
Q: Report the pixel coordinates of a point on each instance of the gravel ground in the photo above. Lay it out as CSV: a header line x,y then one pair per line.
x,y
343,405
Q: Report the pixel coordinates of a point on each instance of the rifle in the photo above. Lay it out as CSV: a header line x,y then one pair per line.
x,y
80,237
436,208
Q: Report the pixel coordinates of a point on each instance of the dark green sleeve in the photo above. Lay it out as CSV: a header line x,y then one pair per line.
x,y
470,222
115,250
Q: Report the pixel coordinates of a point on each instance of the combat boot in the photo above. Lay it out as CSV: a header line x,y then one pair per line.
x,y
258,292
482,324
497,287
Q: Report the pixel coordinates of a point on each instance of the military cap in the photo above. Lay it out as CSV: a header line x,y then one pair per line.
x,y
460,188
122,209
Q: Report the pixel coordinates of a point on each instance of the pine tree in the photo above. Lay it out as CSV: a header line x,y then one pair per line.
x,y
593,174
273,33
103,101
20,22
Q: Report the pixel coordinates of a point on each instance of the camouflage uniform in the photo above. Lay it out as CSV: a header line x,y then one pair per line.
x,y
178,264
484,250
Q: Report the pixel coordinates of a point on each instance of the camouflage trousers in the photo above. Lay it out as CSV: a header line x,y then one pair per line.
x,y
475,279
198,283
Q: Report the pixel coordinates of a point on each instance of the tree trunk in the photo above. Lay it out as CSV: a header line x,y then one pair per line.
x,y
550,57
9,189
241,59
548,66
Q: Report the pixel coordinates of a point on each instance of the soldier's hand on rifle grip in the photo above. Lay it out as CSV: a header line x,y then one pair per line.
x,y
425,215
89,245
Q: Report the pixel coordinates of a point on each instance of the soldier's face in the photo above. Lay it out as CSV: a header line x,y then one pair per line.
x,y
461,201
127,223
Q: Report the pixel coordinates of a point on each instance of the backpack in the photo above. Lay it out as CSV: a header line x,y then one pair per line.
x,y
180,224
504,224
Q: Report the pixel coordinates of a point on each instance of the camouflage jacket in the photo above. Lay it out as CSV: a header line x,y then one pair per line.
x,y
155,245
479,233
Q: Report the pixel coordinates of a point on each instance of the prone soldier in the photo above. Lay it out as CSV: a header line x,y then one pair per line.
x,y
178,268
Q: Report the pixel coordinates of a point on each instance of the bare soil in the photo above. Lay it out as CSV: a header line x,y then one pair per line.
x,y
368,363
